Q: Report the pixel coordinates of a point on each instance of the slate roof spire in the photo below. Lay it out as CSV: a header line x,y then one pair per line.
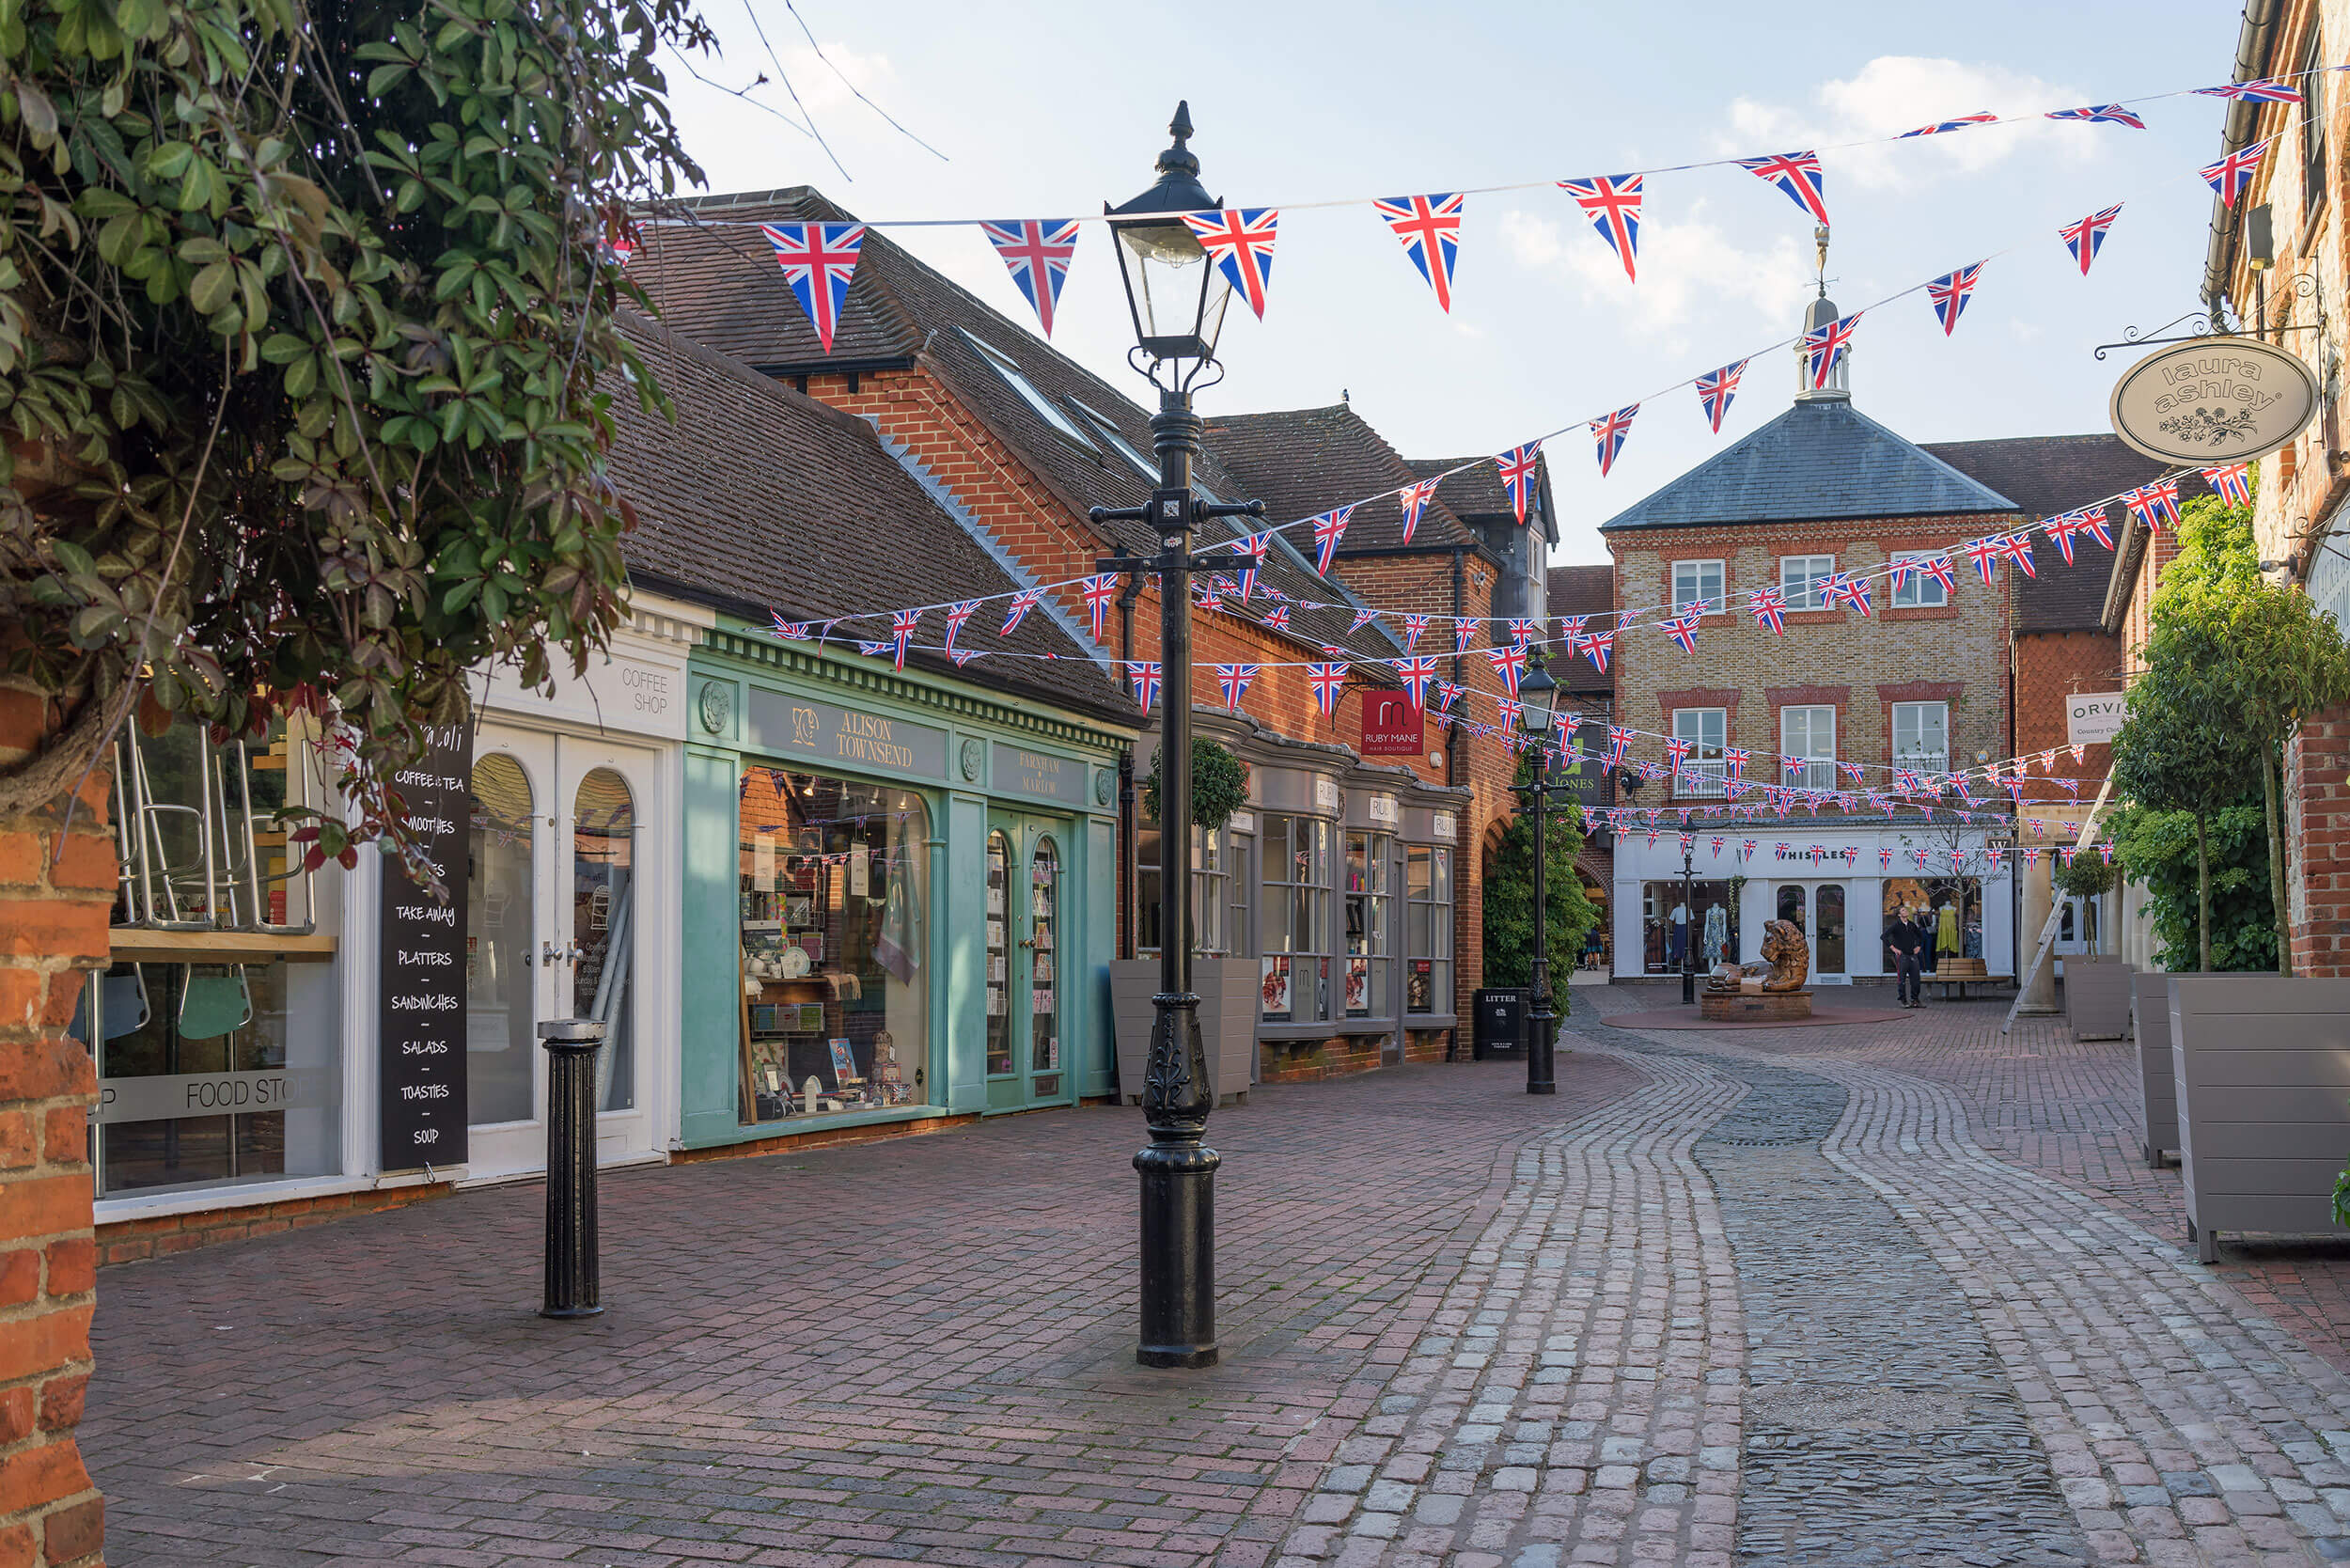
x,y
1818,314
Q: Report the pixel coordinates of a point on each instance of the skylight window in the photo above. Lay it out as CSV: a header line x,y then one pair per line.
x,y
1045,406
1108,432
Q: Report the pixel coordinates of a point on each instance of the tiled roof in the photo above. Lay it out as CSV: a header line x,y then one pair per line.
x,y
1474,492
1821,459
1581,589
760,498
2051,474
1305,460
720,285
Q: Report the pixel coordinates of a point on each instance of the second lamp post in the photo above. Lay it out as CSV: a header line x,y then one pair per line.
x,y
1539,694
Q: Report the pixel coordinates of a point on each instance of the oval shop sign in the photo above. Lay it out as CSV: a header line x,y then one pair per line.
x,y
2217,400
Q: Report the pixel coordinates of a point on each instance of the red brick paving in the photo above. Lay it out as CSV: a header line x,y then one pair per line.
x,y
918,1349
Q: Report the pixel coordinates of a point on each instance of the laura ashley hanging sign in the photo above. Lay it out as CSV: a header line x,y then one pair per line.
x,y
2217,400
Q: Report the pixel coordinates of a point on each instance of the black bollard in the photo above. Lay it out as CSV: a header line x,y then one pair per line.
x,y
571,1287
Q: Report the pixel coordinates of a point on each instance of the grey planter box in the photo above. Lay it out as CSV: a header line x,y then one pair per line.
x,y
2264,1073
2157,1076
1230,1007
2097,996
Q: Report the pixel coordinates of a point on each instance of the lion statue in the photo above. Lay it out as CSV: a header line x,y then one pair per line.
x,y
1790,955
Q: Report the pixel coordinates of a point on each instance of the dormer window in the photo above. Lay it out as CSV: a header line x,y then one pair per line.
x,y
1046,410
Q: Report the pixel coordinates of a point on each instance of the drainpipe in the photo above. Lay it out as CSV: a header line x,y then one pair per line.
x,y
1452,735
1126,597
2253,45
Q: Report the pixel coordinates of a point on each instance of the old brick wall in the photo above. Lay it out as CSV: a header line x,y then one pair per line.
x,y
2051,668
1860,666
53,931
2317,830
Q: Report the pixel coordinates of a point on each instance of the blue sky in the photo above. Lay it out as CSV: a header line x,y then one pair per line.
x,y
1047,110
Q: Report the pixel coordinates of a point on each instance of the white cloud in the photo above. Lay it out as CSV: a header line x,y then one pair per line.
x,y
1685,265
820,88
1894,93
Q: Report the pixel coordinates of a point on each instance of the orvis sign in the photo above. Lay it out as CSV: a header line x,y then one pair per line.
x,y
2091,717
2216,399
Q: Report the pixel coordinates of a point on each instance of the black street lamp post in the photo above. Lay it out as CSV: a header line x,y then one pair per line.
x,y
1688,924
1177,300
1539,694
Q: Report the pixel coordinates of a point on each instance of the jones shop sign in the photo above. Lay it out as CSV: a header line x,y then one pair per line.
x,y
2217,400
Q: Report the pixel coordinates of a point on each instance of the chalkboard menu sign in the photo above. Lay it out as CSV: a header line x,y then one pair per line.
x,y
420,973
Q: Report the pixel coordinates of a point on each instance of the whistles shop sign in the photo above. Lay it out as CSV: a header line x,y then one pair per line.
x,y
2217,400
420,970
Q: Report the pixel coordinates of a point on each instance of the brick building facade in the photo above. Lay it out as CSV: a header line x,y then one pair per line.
x,y
1920,682
2288,291
1019,442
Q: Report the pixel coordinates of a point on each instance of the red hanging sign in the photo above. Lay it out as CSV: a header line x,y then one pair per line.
x,y
1391,724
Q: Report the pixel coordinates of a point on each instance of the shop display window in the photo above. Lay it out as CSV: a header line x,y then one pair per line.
x,y
835,949
1673,916
1948,909
501,970
1295,920
1208,898
1369,922
213,1074
1428,935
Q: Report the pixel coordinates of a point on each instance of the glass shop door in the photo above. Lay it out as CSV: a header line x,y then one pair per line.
x,y
1026,862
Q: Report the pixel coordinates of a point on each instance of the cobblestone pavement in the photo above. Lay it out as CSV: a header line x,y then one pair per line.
x,y
1888,1294
912,1351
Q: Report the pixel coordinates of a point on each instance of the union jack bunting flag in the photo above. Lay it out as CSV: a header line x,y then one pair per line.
x,y
1825,348
2155,505
1654,834
1021,603
1984,117
1677,752
1099,593
1564,722
963,657
1612,203
1511,710
2061,529
1239,240
1363,618
1413,498
620,249
2065,853
2230,175
1734,761
1518,467
872,650
818,259
1446,695
1797,177
1682,629
2233,481
792,631
1429,228
2079,753
1717,843
1619,742
2071,786
1329,681
1938,568
1254,547
1522,630
1855,591
1144,677
1509,664
1921,858
1853,771
1210,594
2018,548
2101,114
1596,646
1949,293
1278,618
2014,788
2092,523
1608,435
1329,527
1233,680
1688,842
1770,609
1415,627
1985,554
1746,848
1464,632
1038,251
1416,675
1796,766
2106,850
1885,858
2270,90
1714,390
1570,628
1991,853
958,617
2085,236
902,625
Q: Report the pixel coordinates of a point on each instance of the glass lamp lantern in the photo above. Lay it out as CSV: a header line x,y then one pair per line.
x,y
1539,694
1175,296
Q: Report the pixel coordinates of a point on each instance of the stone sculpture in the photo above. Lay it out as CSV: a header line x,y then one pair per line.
x,y
1790,955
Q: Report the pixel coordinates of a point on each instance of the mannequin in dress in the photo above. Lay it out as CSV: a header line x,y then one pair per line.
x,y
1946,932
1678,942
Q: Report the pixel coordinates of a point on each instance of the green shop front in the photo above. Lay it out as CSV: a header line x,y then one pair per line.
x,y
900,896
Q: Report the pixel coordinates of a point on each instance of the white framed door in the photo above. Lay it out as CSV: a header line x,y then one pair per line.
x,y
1819,911
558,852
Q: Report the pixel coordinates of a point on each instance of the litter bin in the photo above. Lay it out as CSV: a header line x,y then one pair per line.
x,y
1500,1028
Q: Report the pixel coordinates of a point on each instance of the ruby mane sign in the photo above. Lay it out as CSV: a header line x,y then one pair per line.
x,y
1391,724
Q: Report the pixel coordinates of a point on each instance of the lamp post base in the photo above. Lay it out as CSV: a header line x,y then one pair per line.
x,y
1178,1254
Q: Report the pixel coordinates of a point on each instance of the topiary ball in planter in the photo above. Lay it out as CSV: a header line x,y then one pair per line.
x,y
1219,785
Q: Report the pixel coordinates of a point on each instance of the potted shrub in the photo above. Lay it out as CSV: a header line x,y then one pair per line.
x,y
1226,987
2096,985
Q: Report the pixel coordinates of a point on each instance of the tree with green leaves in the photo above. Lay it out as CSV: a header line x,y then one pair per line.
x,y
1509,903
307,347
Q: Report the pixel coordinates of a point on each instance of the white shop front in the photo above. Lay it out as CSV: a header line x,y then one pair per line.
x,y
1841,883
256,1035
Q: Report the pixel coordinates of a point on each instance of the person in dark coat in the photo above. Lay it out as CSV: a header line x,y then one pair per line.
x,y
1904,946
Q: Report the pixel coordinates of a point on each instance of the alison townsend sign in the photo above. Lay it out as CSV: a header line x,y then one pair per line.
x,y
2217,400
